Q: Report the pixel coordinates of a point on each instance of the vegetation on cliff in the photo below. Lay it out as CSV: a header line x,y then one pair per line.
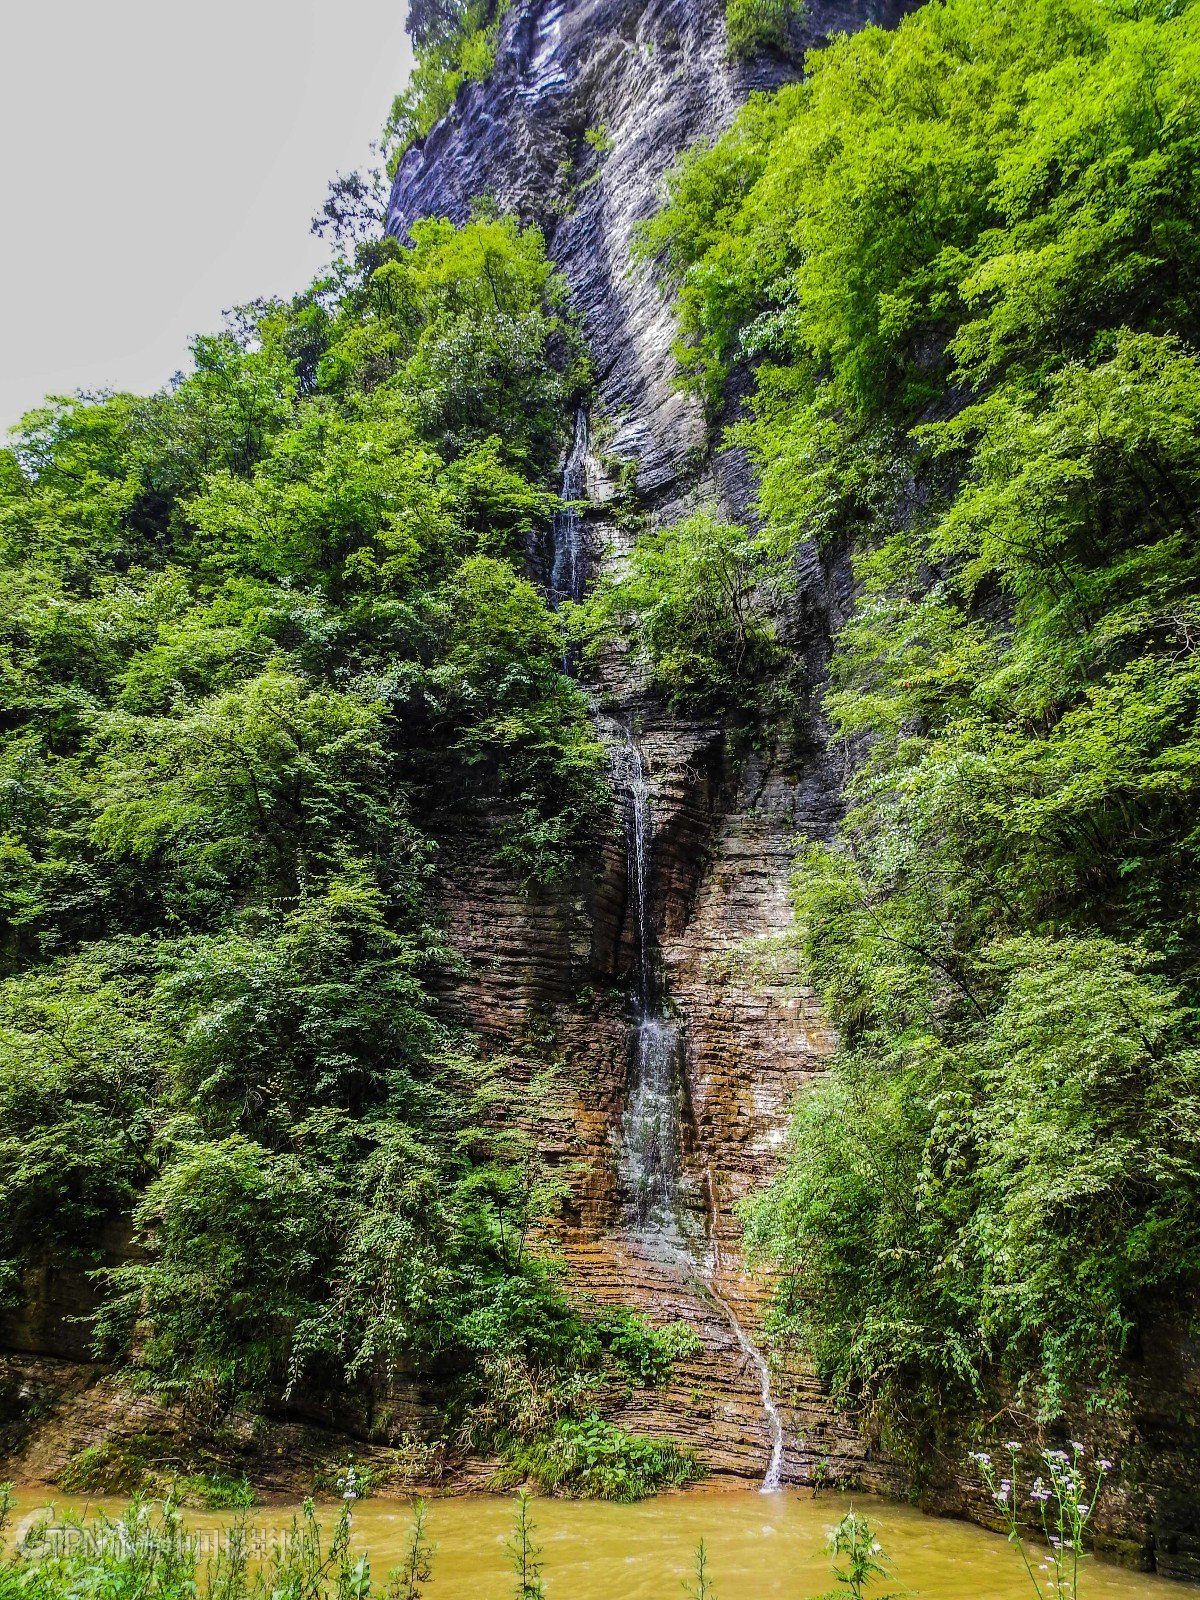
x,y
262,633
963,260
691,603
455,43
753,25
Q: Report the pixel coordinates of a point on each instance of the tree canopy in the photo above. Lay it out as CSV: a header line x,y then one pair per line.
x,y
261,633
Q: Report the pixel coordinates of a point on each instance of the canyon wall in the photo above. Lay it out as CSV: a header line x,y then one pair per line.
x,y
553,978
655,77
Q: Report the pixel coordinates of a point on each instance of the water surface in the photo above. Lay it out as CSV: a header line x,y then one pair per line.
x,y
761,1547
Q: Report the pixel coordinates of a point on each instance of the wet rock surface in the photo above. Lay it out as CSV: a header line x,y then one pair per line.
x,y
654,75
724,821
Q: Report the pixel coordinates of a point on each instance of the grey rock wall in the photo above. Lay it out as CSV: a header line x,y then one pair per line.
x,y
654,75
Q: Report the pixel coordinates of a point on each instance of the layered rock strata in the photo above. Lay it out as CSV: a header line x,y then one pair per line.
x,y
655,77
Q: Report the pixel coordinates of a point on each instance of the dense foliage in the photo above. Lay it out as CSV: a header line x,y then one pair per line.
x,y
963,260
691,605
592,1458
752,25
263,634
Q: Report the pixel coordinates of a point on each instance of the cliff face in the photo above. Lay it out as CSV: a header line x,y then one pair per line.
x,y
552,979
548,981
655,77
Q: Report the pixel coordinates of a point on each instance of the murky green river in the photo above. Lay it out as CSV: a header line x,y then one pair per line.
x,y
760,1547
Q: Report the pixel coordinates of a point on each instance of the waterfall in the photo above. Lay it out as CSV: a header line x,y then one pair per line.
x,y
567,568
650,1158
650,1127
772,1479
631,778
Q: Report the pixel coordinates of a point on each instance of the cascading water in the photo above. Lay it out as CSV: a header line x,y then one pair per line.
x,y
772,1478
650,1141
650,1126
650,1159
567,572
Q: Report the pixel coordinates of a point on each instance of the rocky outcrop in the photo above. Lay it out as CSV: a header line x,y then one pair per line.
x,y
545,980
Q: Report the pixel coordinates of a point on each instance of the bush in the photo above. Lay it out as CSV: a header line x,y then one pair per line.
x,y
216,1491
597,1459
461,50
648,1354
753,25
692,605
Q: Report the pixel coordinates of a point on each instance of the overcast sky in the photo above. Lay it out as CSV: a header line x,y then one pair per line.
x,y
161,160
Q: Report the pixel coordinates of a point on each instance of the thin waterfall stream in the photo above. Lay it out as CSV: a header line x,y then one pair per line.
x,y
567,571
650,1144
772,1479
650,1130
650,1161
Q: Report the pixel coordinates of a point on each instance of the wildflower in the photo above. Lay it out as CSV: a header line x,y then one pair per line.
x,y
877,1548
1013,1444
999,1497
1105,1465
1078,1448
1083,1509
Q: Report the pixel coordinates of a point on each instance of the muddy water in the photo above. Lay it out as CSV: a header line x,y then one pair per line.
x,y
760,1547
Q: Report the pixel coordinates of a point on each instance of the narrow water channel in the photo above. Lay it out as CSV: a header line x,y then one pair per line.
x,y
567,567
759,1547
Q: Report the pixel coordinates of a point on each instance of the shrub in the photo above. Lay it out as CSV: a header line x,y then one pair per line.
x,y
215,1491
648,1354
114,1466
753,25
694,610
594,1458
461,51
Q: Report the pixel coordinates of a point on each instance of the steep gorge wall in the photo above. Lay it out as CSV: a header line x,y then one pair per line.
x,y
548,978
552,976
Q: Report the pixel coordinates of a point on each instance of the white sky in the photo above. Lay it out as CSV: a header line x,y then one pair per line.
x,y
160,160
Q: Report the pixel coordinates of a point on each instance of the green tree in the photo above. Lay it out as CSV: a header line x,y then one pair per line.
x,y
959,260
691,604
